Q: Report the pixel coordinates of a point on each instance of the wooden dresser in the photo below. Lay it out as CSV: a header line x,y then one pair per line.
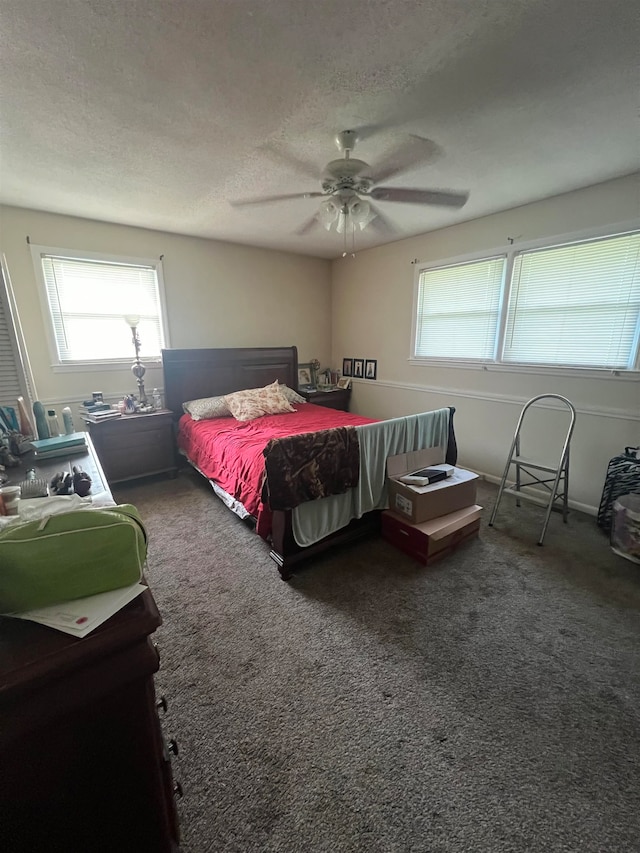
x,y
83,761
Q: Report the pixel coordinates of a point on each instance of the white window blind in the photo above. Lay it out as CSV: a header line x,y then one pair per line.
x,y
458,310
88,300
576,305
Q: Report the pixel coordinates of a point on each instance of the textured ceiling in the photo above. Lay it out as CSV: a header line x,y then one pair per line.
x,y
161,113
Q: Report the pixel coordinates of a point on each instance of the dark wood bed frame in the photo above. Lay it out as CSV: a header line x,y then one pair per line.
x,y
190,374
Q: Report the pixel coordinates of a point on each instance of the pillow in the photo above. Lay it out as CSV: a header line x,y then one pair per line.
x,y
207,407
291,395
256,402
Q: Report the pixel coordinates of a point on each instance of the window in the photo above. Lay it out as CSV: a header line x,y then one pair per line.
x,y
464,325
87,297
571,305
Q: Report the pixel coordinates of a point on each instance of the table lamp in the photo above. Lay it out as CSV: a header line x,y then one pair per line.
x,y
137,368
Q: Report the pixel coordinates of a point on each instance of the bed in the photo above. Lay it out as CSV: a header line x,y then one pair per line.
x,y
237,457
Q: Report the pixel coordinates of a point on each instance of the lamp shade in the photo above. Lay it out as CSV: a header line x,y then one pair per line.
x,y
360,212
328,213
132,320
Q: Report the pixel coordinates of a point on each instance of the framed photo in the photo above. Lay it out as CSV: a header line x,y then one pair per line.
x,y
370,368
305,376
347,367
344,382
358,367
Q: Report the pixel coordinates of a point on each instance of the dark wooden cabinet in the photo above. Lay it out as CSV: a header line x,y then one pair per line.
x,y
337,399
135,446
83,761
82,758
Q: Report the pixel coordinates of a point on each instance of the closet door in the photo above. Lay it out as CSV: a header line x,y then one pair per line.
x,y
13,378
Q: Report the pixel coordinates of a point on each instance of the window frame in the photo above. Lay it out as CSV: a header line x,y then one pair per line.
x,y
87,365
510,251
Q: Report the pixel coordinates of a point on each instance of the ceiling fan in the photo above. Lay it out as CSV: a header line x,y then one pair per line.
x,y
349,186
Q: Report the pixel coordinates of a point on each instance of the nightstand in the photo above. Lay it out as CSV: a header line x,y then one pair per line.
x,y
336,399
134,446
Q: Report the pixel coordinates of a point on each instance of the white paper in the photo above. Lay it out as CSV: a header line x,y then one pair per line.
x,y
83,615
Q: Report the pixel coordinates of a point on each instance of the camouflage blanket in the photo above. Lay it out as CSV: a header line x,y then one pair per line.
x,y
311,465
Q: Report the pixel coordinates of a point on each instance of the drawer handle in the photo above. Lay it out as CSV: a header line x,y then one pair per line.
x,y
161,705
404,532
173,746
177,790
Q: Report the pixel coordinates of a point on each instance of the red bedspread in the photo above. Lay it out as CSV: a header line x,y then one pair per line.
x,y
231,452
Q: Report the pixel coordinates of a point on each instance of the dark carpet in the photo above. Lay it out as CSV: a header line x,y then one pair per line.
x,y
489,703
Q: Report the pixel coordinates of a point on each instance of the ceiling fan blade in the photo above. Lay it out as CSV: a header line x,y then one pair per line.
x,y
411,196
290,161
270,198
307,226
381,223
414,150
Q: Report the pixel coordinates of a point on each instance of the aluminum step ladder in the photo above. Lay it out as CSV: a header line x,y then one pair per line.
x,y
557,485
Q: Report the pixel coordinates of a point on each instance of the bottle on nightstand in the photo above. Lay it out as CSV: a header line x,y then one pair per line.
x,y
53,422
156,398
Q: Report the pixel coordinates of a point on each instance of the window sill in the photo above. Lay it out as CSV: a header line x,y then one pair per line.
x,y
100,366
540,370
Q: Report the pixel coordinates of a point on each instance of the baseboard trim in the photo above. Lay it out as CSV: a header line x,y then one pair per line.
x,y
490,478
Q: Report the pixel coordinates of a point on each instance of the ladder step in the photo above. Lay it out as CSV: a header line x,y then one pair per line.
x,y
519,460
527,496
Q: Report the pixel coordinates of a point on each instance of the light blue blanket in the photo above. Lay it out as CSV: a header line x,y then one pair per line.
x,y
314,520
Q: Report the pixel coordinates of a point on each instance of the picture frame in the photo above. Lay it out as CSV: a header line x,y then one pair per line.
x,y
305,376
344,382
347,367
358,368
371,368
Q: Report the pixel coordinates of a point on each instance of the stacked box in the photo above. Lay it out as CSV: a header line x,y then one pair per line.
x,y
429,522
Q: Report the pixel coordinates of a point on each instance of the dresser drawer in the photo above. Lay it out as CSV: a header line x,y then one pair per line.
x,y
124,463
336,399
124,440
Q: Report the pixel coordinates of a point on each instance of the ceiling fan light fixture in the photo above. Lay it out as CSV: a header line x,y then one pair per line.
x,y
348,183
360,212
328,213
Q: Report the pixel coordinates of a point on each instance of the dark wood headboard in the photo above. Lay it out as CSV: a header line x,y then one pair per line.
x,y
190,374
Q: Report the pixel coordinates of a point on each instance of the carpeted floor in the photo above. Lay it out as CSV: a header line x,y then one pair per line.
x,y
490,703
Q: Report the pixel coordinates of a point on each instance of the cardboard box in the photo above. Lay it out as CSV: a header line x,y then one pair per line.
x,y
422,503
431,540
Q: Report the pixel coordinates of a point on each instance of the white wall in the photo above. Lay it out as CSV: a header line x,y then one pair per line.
x,y
372,314
218,295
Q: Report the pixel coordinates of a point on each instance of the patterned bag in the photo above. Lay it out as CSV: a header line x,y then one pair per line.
x,y
623,478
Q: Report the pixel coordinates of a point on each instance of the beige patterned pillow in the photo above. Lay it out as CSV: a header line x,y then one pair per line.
x,y
256,402
206,408
291,395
